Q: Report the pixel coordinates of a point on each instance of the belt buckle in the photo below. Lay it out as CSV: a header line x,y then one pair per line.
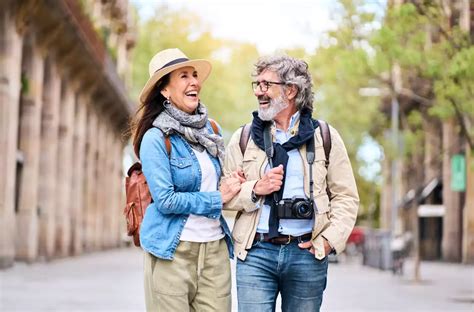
x,y
289,239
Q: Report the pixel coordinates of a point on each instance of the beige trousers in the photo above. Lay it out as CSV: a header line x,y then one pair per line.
x,y
197,279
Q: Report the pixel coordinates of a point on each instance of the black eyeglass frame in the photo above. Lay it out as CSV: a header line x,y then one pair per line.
x,y
266,84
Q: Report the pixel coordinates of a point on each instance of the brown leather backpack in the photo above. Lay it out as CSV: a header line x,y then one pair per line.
x,y
138,194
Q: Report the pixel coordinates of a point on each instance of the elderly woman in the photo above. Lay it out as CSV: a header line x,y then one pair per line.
x,y
184,235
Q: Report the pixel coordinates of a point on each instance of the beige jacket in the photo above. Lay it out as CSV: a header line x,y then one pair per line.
x,y
336,216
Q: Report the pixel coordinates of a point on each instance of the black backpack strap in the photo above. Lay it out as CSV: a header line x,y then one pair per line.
x,y
326,136
244,137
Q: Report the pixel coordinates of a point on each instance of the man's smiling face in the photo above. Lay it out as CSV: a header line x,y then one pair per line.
x,y
273,100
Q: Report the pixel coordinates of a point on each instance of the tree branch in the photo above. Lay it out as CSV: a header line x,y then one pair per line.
x,y
422,11
464,128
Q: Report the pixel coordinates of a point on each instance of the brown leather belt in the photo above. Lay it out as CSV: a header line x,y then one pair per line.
x,y
282,239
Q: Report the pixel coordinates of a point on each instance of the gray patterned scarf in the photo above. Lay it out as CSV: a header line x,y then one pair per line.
x,y
192,128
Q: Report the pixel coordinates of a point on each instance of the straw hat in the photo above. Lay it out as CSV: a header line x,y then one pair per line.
x,y
164,62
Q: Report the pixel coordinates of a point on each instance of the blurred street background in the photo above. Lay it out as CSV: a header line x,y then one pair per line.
x,y
112,281
394,77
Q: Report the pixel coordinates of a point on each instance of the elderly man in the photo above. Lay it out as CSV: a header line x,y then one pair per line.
x,y
299,202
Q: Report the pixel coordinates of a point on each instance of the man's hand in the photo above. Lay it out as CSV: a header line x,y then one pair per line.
x,y
271,181
309,246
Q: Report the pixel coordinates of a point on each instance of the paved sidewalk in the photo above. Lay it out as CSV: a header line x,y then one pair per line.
x,y
443,287
112,281
103,281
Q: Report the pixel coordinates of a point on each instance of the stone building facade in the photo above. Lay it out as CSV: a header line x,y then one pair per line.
x,y
63,112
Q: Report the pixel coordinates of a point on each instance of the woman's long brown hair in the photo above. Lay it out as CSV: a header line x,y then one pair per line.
x,y
146,113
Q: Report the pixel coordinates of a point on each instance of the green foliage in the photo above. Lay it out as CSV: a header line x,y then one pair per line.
x,y
420,40
455,87
341,67
415,119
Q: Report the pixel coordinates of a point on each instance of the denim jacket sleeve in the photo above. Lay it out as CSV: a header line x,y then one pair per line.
x,y
156,167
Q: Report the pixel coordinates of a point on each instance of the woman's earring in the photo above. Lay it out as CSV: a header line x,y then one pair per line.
x,y
166,102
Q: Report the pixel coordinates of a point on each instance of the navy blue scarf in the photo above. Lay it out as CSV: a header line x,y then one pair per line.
x,y
280,156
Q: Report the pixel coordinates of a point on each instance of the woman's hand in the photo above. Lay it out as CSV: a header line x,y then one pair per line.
x,y
231,185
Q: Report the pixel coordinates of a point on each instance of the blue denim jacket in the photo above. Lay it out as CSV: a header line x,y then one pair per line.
x,y
174,183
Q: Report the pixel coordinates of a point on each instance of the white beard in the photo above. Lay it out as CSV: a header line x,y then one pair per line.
x,y
275,106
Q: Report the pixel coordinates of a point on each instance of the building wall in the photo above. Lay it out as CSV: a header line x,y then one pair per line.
x,y
61,133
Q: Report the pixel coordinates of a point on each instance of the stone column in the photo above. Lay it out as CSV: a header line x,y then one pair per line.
x,y
108,187
78,182
10,84
91,182
47,188
100,213
452,222
119,225
66,134
29,144
122,56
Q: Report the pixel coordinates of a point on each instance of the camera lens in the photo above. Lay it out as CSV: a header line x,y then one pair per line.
x,y
303,210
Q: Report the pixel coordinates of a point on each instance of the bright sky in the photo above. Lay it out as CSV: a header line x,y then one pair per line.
x,y
270,24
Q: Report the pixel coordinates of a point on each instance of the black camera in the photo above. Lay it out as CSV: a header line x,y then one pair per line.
x,y
295,208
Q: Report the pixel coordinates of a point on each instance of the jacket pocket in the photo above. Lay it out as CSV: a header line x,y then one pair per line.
x,y
322,202
250,163
182,173
241,227
321,220
319,170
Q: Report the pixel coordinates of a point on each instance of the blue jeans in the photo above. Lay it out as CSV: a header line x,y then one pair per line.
x,y
270,269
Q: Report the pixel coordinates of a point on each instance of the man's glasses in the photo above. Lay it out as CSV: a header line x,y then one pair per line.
x,y
264,85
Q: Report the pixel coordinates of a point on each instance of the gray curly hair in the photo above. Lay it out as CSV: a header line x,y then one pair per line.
x,y
292,71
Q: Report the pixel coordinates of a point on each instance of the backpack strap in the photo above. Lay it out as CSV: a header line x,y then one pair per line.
x,y
327,144
214,126
326,136
244,138
168,145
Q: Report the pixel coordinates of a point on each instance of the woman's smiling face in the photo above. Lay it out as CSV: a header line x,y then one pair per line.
x,y
183,89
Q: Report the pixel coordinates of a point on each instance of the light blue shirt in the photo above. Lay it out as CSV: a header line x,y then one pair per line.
x,y
293,187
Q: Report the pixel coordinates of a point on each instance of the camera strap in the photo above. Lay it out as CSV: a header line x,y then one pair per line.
x,y
268,143
310,155
310,158
273,222
278,153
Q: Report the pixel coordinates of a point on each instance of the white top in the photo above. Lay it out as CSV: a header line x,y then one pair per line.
x,y
199,228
